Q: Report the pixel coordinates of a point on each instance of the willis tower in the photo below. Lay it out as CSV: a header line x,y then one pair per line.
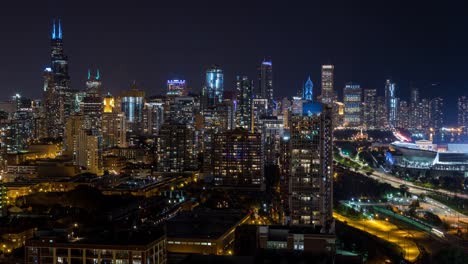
x,y
58,97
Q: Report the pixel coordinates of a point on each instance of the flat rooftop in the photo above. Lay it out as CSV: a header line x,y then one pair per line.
x,y
203,223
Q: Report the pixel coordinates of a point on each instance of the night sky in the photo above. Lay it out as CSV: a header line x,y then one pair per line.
x,y
420,42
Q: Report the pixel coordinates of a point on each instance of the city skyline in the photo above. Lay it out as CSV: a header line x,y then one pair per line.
x,y
163,55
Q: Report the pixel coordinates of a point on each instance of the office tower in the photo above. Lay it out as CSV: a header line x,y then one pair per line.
x,y
265,84
425,114
415,121
61,79
404,114
381,111
176,87
369,108
114,130
88,153
51,106
91,107
259,111
108,103
214,86
153,117
244,92
338,114
352,98
311,167
462,119
307,91
216,120
327,94
19,132
272,130
182,110
296,105
132,103
238,159
437,113
176,148
391,103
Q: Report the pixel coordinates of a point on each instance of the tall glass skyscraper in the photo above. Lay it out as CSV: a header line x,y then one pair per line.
x,y
352,97
244,102
307,91
327,94
265,83
391,102
214,85
132,103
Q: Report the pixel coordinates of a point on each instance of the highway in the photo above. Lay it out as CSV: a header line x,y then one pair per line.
x,y
388,232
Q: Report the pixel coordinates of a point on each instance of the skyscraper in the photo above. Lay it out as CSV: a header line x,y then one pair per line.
x,y
307,91
214,85
352,98
370,108
238,159
176,87
463,113
391,103
265,83
244,88
51,107
176,148
61,79
415,119
311,168
327,94
404,114
91,107
437,113
132,103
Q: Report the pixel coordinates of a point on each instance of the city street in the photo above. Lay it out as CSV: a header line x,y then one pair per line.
x,y
388,232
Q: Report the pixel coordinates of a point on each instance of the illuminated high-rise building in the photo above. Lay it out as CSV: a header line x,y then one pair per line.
x,y
238,159
308,90
114,130
311,166
437,113
51,107
176,148
352,98
214,86
182,110
391,103
244,89
462,119
61,79
381,111
415,118
404,114
132,103
328,94
176,87
425,114
91,107
369,108
153,117
259,111
265,84
108,103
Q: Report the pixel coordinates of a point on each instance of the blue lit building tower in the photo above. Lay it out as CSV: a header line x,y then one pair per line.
x,y
391,103
214,85
61,79
307,91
